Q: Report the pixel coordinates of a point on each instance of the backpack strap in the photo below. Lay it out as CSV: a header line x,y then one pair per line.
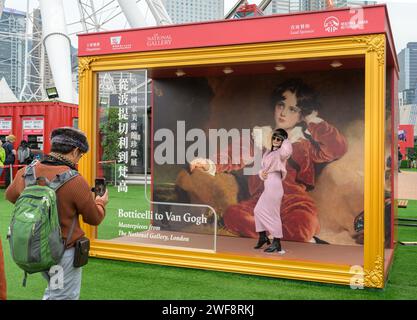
x,y
57,183
63,178
30,175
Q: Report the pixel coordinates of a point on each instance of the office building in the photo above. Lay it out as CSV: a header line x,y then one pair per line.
x,y
12,48
183,11
407,60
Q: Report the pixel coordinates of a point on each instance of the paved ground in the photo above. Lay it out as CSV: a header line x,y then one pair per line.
x,y
407,185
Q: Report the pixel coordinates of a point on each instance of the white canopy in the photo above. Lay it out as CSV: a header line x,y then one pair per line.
x,y
6,94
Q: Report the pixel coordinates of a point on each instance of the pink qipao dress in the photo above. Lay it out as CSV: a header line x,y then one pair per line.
x,y
267,210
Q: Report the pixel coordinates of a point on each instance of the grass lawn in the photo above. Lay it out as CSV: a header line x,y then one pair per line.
x,y
106,279
410,211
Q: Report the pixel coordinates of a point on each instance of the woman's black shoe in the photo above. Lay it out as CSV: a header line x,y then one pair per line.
x,y
275,246
262,240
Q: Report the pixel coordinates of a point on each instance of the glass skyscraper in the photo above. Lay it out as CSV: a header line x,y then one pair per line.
x,y
407,86
182,11
12,48
408,67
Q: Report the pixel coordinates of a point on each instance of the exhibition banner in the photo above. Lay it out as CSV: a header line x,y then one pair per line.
x,y
342,22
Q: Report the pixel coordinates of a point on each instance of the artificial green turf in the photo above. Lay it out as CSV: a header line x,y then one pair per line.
x,y
106,279
410,211
408,233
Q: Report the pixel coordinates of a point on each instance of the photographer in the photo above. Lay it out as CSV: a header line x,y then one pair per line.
x,y
68,145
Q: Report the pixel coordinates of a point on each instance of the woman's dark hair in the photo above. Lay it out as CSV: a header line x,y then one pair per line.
x,y
280,133
66,139
307,99
23,143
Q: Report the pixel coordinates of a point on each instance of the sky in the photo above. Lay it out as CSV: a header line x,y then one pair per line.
x,y
402,16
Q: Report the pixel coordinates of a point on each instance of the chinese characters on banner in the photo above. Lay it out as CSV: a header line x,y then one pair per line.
x,y
129,130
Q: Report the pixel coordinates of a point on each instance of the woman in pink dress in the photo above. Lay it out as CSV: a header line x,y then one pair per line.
x,y
267,210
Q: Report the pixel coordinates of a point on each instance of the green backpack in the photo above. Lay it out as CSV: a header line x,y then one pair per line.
x,y
35,237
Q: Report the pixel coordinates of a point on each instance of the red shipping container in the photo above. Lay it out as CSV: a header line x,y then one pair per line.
x,y
34,122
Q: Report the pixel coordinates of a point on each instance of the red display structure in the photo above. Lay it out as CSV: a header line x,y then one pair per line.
x,y
405,138
34,121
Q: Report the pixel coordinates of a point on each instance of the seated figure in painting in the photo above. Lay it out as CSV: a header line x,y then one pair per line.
x,y
314,141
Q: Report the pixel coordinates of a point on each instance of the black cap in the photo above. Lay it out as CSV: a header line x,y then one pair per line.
x,y
70,137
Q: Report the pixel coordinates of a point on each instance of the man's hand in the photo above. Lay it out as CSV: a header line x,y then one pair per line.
x,y
313,117
264,175
204,165
199,165
104,198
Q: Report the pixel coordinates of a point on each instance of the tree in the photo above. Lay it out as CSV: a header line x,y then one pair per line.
x,y
110,135
109,132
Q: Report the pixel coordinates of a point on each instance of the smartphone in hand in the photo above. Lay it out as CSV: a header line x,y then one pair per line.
x,y
100,187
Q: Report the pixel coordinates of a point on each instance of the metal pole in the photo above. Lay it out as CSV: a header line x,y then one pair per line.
x,y
115,172
58,46
26,72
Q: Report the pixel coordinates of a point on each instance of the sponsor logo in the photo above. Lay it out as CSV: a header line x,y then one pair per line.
x,y
157,40
331,24
93,46
301,29
117,43
115,40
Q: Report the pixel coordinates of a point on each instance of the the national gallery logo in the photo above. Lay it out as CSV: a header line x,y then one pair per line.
x,y
158,40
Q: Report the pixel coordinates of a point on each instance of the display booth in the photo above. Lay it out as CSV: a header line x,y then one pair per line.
x,y
179,116
33,122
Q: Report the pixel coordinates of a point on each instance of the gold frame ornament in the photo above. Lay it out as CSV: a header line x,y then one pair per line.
x,y
372,48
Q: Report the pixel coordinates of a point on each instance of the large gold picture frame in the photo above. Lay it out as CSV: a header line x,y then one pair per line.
x,y
371,47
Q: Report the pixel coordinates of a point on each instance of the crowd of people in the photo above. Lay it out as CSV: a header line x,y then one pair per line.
x,y
8,156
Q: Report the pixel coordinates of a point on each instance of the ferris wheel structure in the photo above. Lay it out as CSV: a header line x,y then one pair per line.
x,y
51,26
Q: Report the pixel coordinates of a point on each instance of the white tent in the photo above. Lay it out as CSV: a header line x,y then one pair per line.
x,y
6,94
1,7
